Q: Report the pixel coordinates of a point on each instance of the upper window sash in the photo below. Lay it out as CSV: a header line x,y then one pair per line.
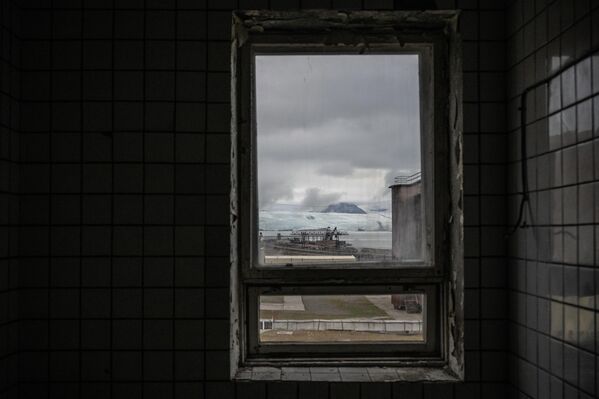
x,y
433,111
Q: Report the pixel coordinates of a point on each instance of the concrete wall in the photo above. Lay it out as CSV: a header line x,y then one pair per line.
x,y
406,214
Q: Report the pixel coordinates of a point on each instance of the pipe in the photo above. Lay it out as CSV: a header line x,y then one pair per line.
x,y
520,222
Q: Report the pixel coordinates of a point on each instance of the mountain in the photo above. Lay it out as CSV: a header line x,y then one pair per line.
x,y
343,207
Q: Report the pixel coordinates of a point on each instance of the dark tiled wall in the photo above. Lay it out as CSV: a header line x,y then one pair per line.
x,y
9,111
554,280
124,217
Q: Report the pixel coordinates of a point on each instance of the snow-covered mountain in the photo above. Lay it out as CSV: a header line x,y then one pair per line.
x,y
343,207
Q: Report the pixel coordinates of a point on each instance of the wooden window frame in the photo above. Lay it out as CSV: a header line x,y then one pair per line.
x,y
431,34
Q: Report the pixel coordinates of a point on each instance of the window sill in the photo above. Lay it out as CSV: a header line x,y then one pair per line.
x,y
345,374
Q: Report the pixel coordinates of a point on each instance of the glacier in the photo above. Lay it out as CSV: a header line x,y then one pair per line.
x,y
295,220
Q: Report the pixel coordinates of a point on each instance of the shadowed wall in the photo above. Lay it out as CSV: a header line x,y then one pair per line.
x,y
123,163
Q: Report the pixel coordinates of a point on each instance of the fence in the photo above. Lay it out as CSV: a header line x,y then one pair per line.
x,y
381,326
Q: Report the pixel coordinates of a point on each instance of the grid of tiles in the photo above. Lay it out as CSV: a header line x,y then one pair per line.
x,y
9,108
124,217
553,276
482,26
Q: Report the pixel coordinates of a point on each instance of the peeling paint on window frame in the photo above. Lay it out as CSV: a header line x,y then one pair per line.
x,y
355,31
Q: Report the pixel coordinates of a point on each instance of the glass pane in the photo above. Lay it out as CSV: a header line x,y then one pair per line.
x,y
338,159
342,318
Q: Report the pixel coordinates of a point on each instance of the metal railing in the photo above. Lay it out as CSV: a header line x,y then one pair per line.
x,y
408,179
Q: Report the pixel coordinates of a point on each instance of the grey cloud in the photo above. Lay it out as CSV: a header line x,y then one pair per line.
x,y
316,200
346,143
303,92
337,113
336,168
274,190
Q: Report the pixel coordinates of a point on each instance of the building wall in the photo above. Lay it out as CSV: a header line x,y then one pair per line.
x,y
125,212
553,280
406,213
9,155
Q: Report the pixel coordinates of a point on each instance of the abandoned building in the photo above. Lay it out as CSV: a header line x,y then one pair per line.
x,y
150,148
406,206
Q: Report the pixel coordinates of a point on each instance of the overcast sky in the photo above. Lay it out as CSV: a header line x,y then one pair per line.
x,y
334,128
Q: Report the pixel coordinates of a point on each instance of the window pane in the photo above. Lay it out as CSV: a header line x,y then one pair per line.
x,y
339,159
342,318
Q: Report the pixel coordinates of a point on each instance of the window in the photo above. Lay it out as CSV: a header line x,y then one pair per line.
x,y
331,157
346,191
